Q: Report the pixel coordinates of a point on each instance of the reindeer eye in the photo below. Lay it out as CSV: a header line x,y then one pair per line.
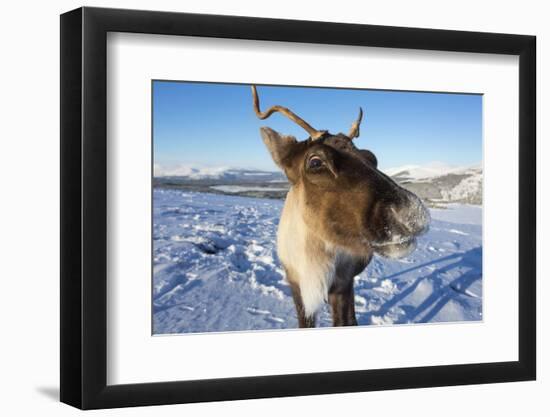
x,y
315,162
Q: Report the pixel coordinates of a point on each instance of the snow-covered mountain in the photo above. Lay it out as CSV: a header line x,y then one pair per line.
x,y
219,173
431,170
441,183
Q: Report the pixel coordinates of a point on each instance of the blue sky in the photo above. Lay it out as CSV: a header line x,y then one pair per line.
x,y
215,125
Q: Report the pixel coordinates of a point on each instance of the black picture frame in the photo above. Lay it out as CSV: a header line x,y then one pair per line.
x,y
84,207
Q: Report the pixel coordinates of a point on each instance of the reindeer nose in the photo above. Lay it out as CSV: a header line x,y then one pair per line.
x,y
412,215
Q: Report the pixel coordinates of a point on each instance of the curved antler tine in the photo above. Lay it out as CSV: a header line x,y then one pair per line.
x,y
314,133
354,131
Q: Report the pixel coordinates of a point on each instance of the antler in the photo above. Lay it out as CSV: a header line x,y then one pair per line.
x,y
354,131
313,133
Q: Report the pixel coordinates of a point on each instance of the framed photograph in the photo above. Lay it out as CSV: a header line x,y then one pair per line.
x,y
256,208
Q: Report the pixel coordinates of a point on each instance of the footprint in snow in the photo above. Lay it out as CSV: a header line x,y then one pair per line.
x,y
273,319
458,232
452,245
270,318
257,311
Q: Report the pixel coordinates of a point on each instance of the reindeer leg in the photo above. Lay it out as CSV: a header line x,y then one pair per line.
x,y
342,302
303,320
336,300
351,318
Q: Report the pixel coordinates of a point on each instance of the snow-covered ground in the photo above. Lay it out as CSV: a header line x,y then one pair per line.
x,y
216,269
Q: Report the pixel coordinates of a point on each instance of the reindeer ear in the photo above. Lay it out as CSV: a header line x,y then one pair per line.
x,y
281,148
369,156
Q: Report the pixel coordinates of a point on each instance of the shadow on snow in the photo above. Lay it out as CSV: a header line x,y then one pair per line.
x,y
442,293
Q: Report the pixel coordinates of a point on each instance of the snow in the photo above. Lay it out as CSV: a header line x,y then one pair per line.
x,y
458,213
202,172
254,174
431,170
216,269
190,171
465,188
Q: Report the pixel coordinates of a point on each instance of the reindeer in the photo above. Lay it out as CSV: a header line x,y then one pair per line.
x,y
339,211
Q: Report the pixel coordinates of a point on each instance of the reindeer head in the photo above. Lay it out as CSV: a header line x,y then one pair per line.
x,y
342,195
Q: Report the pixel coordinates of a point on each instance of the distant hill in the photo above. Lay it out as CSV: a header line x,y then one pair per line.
x,y
436,183
220,180
223,174
441,183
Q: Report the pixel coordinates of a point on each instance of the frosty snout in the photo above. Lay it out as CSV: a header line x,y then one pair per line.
x,y
404,221
412,217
